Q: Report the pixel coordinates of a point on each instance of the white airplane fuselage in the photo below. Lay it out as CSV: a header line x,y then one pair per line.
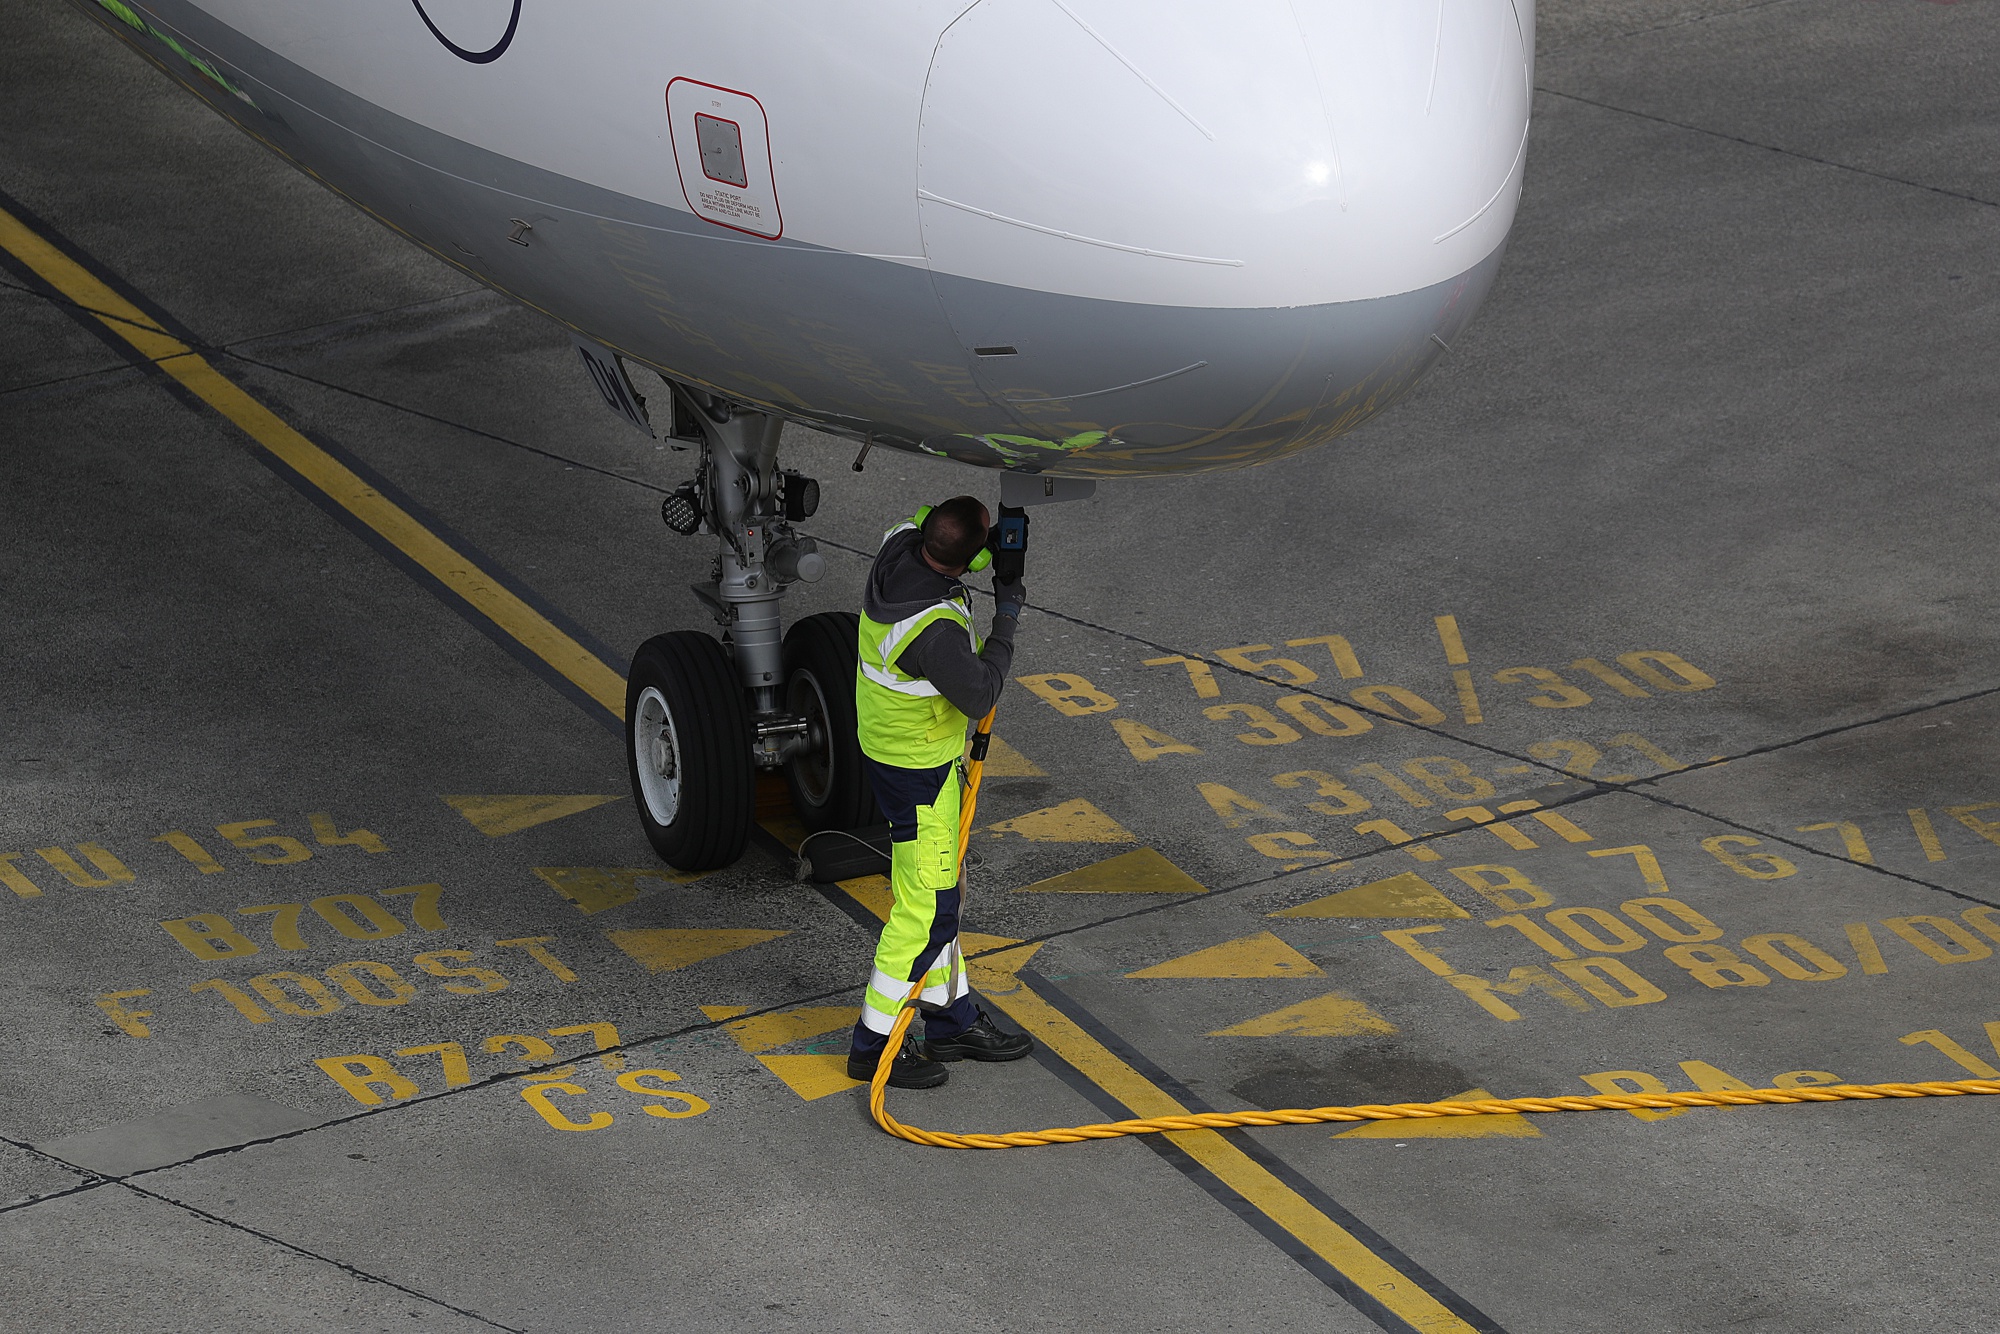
x,y
1090,238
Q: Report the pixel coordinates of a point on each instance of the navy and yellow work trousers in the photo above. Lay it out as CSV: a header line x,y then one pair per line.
x,y
920,939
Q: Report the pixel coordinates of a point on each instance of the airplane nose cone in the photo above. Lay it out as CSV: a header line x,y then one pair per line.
x,y
1255,154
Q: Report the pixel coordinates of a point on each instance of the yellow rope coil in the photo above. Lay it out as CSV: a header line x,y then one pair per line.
x,y
1603,1102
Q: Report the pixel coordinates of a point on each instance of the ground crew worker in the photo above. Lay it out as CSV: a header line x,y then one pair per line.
x,y
923,674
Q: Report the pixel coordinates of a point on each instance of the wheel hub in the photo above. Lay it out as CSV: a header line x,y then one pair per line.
x,y
659,756
812,764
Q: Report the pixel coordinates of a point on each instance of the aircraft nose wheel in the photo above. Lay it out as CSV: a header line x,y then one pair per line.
x,y
829,788
687,751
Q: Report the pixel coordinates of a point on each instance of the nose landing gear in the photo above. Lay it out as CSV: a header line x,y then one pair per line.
x,y
704,716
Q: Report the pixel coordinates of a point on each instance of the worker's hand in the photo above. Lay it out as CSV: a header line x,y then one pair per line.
x,y
1010,596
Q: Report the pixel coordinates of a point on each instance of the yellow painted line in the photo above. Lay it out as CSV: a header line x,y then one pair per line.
x,y
997,978
483,593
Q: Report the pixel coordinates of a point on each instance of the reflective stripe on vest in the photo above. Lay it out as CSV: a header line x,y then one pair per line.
x,y
903,719
883,669
880,647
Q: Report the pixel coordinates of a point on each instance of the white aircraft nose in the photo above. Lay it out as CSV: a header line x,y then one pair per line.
x,y
1256,154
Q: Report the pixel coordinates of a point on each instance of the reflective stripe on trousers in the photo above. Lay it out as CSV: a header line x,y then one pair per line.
x,y
920,939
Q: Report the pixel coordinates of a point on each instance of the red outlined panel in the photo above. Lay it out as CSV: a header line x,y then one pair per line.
x,y
749,206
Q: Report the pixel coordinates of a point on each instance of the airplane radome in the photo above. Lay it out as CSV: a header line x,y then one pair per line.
x,y
1070,239
1085,237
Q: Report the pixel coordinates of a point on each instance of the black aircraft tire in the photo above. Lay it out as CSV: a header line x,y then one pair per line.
x,y
830,790
686,721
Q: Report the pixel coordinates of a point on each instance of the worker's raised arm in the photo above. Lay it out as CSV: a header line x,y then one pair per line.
x,y
942,654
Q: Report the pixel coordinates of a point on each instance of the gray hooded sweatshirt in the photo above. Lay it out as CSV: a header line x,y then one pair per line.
x,y
900,585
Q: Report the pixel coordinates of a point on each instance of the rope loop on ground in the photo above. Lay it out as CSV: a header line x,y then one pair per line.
x,y
1601,1102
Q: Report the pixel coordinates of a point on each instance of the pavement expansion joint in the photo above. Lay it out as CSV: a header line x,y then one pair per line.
x,y
1549,52
220,1221
72,381
1595,791
78,1189
351,321
1770,148
89,1180
1817,852
364,396
232,352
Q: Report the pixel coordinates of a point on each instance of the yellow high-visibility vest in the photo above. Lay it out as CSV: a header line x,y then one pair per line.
x,y
903,719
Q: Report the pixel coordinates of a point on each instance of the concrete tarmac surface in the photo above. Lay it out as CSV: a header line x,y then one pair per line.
x,y
342,991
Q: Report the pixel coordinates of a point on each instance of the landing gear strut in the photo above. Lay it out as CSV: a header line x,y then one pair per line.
x,y
704,717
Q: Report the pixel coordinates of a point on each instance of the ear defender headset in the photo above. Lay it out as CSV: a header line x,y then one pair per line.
x,y
980,559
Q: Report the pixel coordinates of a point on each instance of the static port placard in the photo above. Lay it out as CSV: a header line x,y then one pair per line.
x,y
722,150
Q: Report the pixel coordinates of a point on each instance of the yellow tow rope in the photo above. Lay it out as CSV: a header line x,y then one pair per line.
x,y
1414,1111
1604,1102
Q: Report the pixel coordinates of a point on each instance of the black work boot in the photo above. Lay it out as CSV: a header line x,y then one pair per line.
x,y
912,1069
983,1041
